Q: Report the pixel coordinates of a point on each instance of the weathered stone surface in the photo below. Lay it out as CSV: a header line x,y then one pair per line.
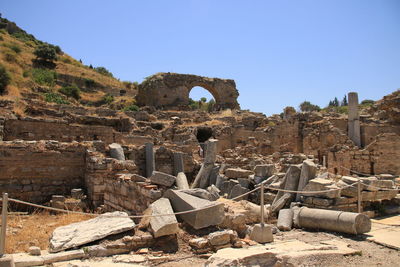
x,y
162,178
116,151
150,160
283,253
235,173
211,213
285,220
80,233
34,251
7,261
265,170
332,220
227,186
172,90
354,119
320,184
262,233
178,163
181,181
244,182
163,225
202,179
220,238
238,190
308,170
198,243
220,180
214,191
290,182
200,193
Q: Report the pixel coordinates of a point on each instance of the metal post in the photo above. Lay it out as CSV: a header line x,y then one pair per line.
x,y
262,204
359,196
3,224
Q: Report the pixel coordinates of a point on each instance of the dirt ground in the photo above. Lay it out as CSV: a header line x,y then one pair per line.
x,y
27,230
35,229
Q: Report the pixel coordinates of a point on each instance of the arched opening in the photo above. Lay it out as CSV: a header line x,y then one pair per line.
x,y
201,99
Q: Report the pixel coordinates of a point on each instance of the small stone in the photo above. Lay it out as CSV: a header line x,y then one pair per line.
x,y
237,173
198,243
262,233
34,251
161,178
220,238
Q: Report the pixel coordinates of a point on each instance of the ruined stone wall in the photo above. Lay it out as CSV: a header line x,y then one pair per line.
x,y
33,171
55,130
369,132
130,193
377,158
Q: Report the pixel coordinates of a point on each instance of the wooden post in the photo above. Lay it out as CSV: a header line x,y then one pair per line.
x,y
262,204
359,196
3,224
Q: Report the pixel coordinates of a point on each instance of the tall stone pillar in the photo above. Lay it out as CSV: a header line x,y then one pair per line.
x,y
150,160
178,163
354,119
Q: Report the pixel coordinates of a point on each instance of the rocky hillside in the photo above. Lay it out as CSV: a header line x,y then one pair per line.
x,y
61,79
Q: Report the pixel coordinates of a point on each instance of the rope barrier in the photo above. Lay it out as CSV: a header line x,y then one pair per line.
x,y
175,213
198,209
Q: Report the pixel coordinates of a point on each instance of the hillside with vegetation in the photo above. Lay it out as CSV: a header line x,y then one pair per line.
x,y
31,68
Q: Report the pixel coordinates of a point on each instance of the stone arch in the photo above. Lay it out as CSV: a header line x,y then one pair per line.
x,y
206,87
171,90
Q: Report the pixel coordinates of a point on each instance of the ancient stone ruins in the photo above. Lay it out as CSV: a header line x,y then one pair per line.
x,y
196,180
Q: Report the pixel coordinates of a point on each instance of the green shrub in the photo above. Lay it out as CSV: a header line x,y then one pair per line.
x,y
25,73
55,98
5,79
131,107
89,82
306,106
1,38
45,52
44,76
107,99
71,91
367,102
103,71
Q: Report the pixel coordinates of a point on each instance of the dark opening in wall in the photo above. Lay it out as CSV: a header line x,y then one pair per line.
x,y
203,134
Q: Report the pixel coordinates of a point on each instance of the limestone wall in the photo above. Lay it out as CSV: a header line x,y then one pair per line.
x,y
377,158
33,171
131,193
56,130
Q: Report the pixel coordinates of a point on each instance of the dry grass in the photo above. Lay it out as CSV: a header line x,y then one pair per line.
x,y
24,231
21,63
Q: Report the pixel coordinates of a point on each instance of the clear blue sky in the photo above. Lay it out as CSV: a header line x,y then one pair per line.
x,y
279,53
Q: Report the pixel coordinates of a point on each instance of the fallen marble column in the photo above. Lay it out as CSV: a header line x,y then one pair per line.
x,y
285,220
211,213
332,220
181,181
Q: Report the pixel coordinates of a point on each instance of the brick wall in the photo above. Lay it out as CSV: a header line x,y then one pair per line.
x,y
33,171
